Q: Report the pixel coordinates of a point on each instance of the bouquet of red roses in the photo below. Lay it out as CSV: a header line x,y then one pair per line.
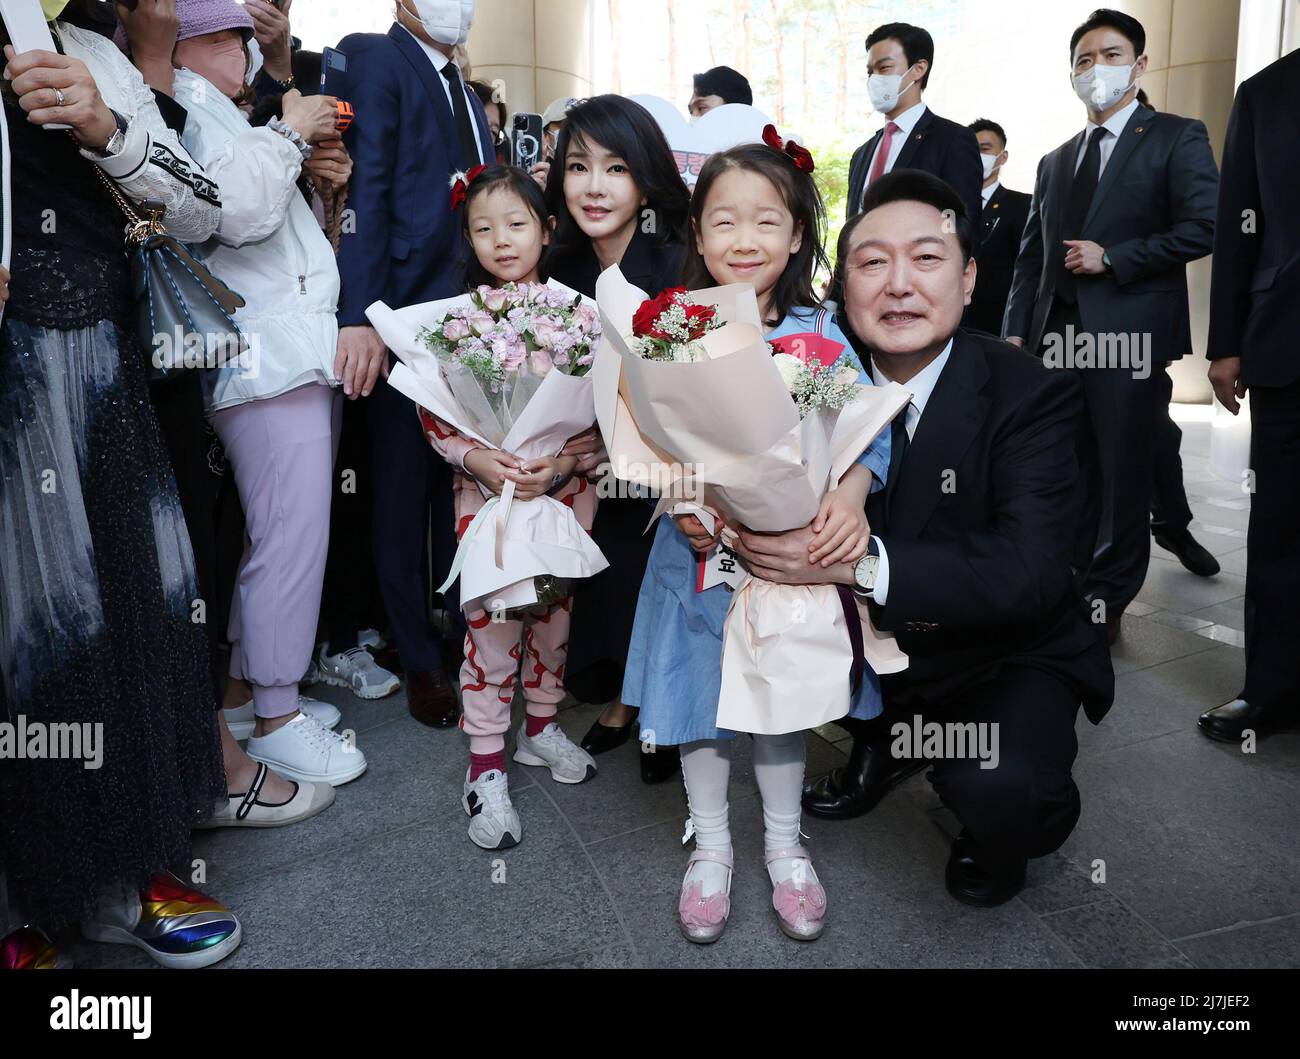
x,y
671,327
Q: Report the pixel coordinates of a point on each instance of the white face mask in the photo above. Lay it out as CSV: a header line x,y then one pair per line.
x,y
446,21
255,65
990,163
884,90
1103,85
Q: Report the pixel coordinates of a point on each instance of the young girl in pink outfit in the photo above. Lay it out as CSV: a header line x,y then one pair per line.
x,y
504,218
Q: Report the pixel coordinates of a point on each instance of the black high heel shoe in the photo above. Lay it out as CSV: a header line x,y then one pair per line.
x,y
661,763
603,737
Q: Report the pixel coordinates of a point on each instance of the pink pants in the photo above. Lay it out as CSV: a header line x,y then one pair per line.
x,y
281,450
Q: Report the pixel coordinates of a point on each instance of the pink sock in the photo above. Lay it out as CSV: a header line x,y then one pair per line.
x,y
535,724
481,763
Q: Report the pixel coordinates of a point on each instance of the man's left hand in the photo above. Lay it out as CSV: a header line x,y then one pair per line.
x,y
1084,257
784,559
271,28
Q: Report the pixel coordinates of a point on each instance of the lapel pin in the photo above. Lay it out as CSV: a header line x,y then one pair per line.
x,y
996,205
1137,130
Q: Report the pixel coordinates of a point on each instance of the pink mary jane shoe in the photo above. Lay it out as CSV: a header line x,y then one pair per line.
x,y
799,903
703,919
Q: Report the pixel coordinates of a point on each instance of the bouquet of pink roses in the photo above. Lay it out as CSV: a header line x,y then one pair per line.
x,y
507,367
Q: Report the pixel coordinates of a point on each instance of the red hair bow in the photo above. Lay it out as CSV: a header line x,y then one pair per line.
x,y
460,183
800,156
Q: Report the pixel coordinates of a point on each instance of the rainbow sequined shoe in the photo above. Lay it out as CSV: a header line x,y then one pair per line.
x,y
177,926
28,949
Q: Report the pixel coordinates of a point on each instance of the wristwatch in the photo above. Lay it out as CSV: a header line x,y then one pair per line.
x,y
867,568
1105,259
115,142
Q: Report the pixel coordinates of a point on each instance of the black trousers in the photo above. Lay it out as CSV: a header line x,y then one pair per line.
x,y
413,525
1170,512
1027,805
178,404
350,600
1117,461
1273,551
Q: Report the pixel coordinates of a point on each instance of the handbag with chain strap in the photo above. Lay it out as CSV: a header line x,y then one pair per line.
x,y
179,304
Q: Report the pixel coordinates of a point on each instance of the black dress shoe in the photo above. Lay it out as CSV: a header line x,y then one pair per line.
x,y
872,772
974,880
1228,723
661,763
602,737
1190,553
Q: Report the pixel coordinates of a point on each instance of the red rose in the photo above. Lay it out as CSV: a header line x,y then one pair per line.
x,y
646,318
698,318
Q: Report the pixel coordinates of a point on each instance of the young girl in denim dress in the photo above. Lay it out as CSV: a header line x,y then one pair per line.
x,y
756,217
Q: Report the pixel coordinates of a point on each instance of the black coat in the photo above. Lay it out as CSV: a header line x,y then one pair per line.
x,y
1153,212
936,145
604,606
1255,287
1002,225
981,522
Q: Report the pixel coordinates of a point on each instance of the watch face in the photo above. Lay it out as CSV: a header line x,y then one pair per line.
x,y
865,572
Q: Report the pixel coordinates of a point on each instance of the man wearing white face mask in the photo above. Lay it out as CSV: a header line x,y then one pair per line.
x,y
1001,226
1118,212
416,125
899,60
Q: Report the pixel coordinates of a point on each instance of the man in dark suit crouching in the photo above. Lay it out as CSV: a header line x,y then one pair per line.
x,y
969,564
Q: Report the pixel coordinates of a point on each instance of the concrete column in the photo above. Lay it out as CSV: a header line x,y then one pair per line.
x,y
538,50
1191,71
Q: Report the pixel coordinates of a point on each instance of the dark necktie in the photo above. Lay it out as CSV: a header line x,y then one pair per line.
x,y
464,126
898,442
1076,211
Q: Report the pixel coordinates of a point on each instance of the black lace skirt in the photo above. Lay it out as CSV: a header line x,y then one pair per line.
x,y
100,629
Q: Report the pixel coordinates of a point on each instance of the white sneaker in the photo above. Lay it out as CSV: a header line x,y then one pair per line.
x,y
356,670
240,719
370,638
568,762
493,822
306,751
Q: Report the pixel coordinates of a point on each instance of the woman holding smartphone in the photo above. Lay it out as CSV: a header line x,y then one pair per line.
x,y
618,199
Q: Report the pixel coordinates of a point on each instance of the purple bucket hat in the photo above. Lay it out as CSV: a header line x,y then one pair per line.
x,y
198,17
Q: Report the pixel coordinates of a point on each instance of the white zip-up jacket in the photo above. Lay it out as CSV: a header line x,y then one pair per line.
x,y
268,247
152,165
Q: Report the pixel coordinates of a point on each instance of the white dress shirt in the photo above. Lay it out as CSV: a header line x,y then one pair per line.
x,y
1114,125
487,153
906,122
922,386
987,193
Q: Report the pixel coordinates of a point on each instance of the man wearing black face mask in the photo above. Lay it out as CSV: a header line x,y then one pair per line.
x,y
1100,285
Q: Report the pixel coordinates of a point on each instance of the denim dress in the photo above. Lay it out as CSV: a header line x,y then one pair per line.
x,y
674,662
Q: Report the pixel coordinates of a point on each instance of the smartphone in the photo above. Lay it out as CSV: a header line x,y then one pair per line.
x,y
525,140
333,64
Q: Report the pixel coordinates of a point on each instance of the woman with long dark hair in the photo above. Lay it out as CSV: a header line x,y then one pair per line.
x,y
618,199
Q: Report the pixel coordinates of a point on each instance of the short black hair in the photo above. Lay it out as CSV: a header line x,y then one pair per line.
x,y
1112,19
989,125
487,95
917,44
731,85
904,185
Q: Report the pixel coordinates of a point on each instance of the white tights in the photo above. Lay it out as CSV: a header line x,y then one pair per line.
x,y
778,767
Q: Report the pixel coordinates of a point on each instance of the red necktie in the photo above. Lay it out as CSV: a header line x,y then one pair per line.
x,y
882,154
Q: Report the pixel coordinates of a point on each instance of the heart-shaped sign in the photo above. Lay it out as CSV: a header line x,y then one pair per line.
x,y
726,126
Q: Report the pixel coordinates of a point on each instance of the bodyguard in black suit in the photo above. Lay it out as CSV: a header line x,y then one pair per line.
x,y
899,60
1253,346
1101,284
969,562
1002,224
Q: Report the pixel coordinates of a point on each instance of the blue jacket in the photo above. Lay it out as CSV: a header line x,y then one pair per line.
x,y
405,246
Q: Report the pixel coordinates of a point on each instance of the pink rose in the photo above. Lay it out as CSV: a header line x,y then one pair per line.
x,y
495,300
454,329
541,362
480,322
545,328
